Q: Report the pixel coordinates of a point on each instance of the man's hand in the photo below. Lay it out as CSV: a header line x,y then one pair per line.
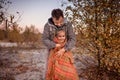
x,y
60,52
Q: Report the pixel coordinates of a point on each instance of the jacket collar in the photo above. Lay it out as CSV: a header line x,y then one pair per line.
x,y
51,23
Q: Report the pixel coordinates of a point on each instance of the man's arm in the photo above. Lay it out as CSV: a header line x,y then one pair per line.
x,y
71,38
46,38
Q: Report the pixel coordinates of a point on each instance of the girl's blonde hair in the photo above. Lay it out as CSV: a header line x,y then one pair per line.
x,y
59,32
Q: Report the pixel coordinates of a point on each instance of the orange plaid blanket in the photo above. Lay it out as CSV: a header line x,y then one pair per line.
x,y
61,68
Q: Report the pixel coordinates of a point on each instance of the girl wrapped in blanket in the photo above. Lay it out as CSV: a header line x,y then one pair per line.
x,y
60,65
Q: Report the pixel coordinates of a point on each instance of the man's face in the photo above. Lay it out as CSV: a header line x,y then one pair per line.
x,y
58,22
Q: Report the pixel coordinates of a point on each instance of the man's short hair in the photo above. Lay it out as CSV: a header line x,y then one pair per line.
x,y
57,13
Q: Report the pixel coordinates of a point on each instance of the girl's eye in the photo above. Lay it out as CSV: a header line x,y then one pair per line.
x,y
61,36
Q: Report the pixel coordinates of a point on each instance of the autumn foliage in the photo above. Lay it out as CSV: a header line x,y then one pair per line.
x,y
97,26
16,34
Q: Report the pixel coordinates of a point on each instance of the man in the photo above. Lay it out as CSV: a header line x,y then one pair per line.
x,y
54,24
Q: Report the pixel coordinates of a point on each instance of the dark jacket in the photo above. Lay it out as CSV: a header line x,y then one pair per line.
x,y
49,32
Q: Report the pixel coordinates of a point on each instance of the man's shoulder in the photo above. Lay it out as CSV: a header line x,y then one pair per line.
x,y
68,24
47,24
66,21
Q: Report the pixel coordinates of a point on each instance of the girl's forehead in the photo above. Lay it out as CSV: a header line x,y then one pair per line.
x,y
61,32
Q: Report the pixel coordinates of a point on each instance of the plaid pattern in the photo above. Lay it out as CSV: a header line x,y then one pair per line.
x,y
61,68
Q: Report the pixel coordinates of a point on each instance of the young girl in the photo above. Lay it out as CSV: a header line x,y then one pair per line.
x,y
60,67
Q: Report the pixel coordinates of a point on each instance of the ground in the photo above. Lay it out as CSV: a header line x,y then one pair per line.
x,y
29,64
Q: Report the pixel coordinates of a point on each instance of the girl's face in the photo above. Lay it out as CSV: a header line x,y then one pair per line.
x,y
61,36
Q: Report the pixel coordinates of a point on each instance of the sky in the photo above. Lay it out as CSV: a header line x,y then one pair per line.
x,y
33,12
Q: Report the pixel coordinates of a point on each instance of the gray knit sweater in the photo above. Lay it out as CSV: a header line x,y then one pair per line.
x,y
50,29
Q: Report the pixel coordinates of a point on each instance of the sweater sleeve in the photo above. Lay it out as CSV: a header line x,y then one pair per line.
x,y
71,38
46,38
